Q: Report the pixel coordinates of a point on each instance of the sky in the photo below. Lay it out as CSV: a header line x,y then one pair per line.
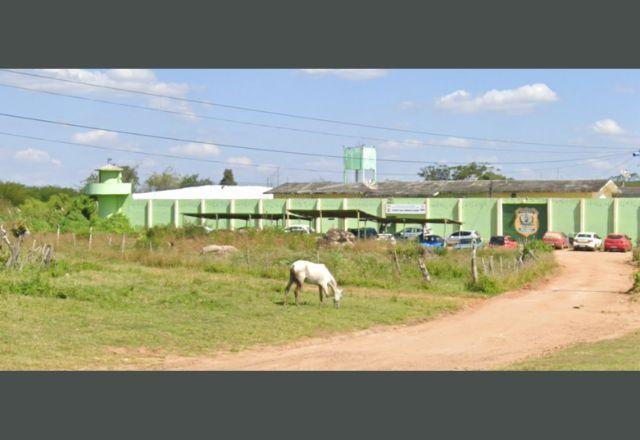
x,y
588,121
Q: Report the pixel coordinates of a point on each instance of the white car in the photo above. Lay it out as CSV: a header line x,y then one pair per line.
x,y
587,240
304,229
409,233
455,238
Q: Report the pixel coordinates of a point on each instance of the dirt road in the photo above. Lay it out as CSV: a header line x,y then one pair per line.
x,y
584,302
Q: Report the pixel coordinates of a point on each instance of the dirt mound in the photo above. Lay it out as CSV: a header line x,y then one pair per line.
x,y
338,237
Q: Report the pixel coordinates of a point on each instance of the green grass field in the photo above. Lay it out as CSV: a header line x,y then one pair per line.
x,y
610,355
100,309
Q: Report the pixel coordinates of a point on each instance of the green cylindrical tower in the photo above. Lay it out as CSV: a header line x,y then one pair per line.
x,y
110,191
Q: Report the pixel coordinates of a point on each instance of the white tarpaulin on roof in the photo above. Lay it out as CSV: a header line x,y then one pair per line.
x,y
208,192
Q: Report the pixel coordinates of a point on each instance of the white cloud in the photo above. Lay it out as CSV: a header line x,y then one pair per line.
x,y
198,150
607,127
139,80
455,142
628,90
100,137
349,74
399,145
509,100
240,160
409,106
416,143
35,156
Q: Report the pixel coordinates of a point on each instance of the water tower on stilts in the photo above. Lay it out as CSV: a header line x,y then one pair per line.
x,y
362,160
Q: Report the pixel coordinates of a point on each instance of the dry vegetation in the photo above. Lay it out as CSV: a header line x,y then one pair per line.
x,y
113,306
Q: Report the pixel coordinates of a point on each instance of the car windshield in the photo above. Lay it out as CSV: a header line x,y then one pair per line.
x,y
432,239
583,236
552,235
497,240
466,241
614,236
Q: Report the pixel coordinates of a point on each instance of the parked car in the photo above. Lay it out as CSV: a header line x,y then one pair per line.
x,y
432,241
364,232
558,240
618,242
503,241
304,229
386,237
455,237
587,240
467,243
409,233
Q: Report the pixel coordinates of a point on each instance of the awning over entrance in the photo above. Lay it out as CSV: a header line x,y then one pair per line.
x,y
239,216
359,214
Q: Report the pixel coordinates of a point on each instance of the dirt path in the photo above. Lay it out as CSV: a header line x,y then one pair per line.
x,y
583,303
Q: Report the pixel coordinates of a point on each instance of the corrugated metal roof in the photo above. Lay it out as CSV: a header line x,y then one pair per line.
x,y
208,192
431,188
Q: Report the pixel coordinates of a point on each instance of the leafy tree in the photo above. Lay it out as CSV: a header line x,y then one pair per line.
x,y
168,179
471,171
227,177
194,180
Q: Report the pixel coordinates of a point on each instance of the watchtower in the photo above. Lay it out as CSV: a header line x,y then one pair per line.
x,y
360,159
110,191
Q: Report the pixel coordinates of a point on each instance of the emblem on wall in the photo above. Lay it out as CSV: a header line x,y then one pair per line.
x,y
526,221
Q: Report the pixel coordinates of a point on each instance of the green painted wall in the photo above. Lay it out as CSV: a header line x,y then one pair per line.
x,y
477,213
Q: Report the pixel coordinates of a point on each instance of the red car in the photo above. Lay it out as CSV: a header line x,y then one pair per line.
x,y
558,240
617,242
503,241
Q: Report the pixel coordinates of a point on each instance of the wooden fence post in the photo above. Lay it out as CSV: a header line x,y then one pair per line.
x,y
90,236
395,257
73,235
484,266
122,243
501,264
423,268
491,265
58,237
474,265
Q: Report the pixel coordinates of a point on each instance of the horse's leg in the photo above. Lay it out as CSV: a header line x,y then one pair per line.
x,y
321,291
286,292
297,291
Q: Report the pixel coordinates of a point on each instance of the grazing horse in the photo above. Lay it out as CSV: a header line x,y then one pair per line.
x,y
318,274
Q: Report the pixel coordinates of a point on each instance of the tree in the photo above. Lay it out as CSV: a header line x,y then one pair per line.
x,y
168,179
227,178
471,171
194,180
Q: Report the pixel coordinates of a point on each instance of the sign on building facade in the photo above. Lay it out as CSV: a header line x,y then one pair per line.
x,y
405,209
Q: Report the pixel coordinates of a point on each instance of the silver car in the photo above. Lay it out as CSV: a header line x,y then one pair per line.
x,y
457,236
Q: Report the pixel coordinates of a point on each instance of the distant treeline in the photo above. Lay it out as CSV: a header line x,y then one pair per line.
x,y
45,208
17,193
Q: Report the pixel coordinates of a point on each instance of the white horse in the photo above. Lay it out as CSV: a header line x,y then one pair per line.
x,y
313,273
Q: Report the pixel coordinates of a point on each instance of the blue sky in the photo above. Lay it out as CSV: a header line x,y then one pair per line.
x,y
581,108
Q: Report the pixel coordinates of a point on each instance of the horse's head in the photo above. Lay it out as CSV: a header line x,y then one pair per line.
x,y
337,296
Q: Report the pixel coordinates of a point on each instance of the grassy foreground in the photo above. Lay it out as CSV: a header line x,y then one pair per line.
x,y
611,355
100,308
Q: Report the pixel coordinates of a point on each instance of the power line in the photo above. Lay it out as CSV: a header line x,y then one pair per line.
x,y
252,148
281,127
305,117
175,156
